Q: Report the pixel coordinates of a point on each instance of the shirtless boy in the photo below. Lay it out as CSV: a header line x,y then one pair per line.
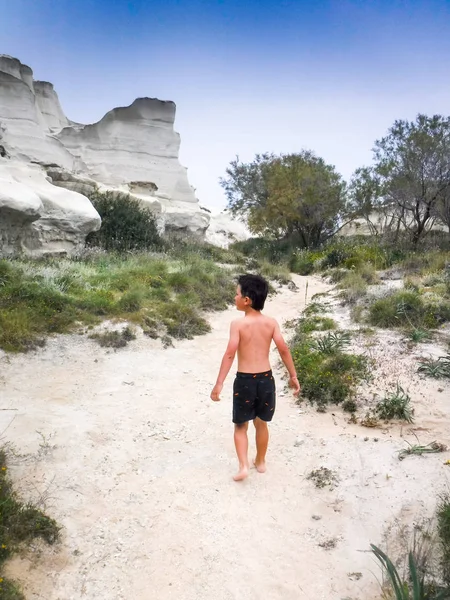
x,y
254,386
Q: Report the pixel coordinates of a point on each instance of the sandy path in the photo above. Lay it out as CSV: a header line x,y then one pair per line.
x,y
136,463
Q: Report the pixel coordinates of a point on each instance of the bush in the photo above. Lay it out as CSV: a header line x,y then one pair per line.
x,y
401,309
126,224
327,377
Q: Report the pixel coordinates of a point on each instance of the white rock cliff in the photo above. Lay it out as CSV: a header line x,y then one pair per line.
x,y
48,163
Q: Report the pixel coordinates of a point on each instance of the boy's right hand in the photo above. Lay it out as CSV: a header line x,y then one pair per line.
x,y
215,394
295,385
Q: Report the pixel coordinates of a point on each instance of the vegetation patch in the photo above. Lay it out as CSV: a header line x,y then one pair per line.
x,y
126,224
114,339
20,524
327,374
38,298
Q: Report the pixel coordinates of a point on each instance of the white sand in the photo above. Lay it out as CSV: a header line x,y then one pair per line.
x,y
135,462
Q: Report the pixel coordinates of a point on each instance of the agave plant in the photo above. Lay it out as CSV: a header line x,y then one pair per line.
x,y
404,590
332,342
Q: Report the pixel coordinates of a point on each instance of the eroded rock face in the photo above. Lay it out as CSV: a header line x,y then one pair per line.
x,y
38,218
132,149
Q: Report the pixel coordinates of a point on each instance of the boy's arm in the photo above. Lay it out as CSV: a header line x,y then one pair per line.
x,y
286,357
227,360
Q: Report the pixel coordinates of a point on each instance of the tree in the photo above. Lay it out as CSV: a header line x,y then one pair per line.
x,y
288,194
413,163
367,201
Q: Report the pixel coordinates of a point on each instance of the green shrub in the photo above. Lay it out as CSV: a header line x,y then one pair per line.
x,y
402,308
327,378
126,224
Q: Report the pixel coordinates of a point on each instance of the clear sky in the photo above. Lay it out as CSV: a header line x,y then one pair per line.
x,y
247,76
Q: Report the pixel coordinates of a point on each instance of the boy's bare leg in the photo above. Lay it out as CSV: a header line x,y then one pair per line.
x,y
262,441
241,443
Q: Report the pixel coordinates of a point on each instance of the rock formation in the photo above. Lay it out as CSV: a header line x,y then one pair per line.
x,y
49,163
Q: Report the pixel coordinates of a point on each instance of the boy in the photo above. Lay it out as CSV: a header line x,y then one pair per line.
x,y
254,386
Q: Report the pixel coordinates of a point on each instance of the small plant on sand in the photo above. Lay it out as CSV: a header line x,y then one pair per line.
x,y
418,335
395,405
439,368
20,523
419,449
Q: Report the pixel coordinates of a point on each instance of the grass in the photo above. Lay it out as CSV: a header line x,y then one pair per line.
x,y
20,523
172,287
56,296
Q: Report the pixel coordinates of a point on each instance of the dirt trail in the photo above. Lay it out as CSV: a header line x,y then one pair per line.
x,y
135,461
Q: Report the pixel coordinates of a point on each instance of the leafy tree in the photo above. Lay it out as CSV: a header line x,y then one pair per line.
x,y
413,164
126,224
288,194
366,201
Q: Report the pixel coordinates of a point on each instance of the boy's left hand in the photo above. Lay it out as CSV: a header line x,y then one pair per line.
x,y
215,394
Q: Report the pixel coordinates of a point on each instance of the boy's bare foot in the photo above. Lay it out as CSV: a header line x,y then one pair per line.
x,y
260,466
241,474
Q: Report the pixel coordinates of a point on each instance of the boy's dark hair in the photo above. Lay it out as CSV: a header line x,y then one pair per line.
x,y
254,287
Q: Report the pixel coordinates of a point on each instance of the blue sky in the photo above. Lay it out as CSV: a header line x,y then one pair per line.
x,y
247,76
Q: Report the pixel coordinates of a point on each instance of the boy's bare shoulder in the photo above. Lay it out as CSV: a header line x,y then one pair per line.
x,y
271,320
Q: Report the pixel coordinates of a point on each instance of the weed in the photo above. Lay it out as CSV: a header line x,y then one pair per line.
x,y
417,449
395,405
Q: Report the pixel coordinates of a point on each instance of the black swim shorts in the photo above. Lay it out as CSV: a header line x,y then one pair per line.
x,y
253,396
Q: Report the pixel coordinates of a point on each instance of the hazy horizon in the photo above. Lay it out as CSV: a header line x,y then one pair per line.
x,y
259,76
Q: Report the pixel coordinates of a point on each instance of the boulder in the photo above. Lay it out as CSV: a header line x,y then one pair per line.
x,y
38,218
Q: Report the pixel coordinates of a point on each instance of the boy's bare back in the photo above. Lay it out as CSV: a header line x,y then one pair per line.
x,y
256,332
